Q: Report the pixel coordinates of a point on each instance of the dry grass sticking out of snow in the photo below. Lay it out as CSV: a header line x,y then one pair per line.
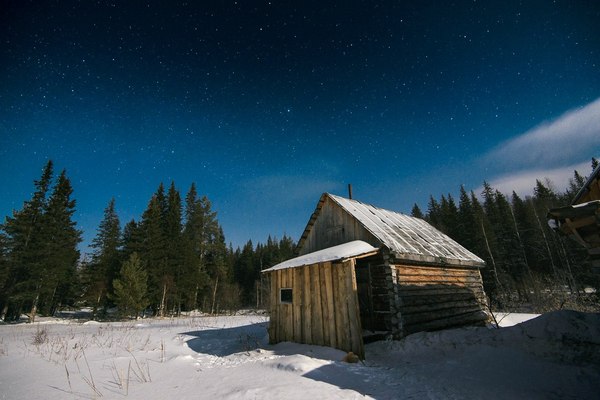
x,y
556,355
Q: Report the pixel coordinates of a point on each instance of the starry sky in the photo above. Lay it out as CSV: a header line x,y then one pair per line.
x,y
267,104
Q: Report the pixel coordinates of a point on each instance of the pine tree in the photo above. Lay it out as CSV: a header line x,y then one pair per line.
x,y
133,238
448,218
106,259
173,243
416,212
576,183
195,246
529,233
60,281
26,248
433,212
130,287
153,251
467,223
544,199
247,271
287,248
487,244
4,276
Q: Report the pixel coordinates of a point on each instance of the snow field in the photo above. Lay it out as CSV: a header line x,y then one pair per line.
x,y
556,355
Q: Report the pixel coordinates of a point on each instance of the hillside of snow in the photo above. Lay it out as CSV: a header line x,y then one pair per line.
x,y
556,355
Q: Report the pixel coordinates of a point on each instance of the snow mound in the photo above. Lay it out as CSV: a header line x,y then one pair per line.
x,y
560,336
299,364
322,352
565,336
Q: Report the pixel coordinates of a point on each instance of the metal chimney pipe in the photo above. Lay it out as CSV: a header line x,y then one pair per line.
x,y
350,191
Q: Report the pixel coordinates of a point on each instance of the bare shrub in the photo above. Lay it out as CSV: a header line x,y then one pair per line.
x,y
40,336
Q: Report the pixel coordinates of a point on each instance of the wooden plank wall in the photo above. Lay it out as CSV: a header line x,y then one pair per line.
x,y
335,226
440,297
324,309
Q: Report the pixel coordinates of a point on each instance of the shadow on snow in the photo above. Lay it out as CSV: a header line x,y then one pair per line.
x,y
223,342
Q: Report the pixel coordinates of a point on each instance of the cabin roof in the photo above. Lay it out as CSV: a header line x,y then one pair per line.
x,y
585,189
356,248
406,237
581,222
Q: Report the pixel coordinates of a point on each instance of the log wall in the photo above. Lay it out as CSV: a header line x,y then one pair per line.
x,y
432,298
324,309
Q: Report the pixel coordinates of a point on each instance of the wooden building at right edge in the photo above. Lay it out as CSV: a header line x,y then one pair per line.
x,y
365,271
581,219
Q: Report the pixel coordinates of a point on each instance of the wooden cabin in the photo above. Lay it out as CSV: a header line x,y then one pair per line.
x,y
365,272
581,219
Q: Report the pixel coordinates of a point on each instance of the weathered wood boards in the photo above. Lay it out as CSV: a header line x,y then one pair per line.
x,y
412,278
437,297
324,308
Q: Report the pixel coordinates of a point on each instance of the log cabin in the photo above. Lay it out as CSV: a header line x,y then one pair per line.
x,y
365,273
581,219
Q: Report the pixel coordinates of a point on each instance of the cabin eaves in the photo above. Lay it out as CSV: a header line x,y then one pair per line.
x,y
405,237
342,252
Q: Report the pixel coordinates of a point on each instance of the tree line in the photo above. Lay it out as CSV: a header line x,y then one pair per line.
x,y
527,262
173,259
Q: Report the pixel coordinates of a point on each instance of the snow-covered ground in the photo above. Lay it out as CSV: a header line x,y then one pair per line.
x,y
556,356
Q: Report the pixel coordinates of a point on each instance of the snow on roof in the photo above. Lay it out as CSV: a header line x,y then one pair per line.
x,y
586,186
339,252
407,237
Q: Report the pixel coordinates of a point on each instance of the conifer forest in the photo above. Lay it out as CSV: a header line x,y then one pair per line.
x,y
175,258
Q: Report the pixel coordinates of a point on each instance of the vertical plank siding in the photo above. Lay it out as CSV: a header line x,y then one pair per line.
x,y
297,302
331,310
324,309
353,309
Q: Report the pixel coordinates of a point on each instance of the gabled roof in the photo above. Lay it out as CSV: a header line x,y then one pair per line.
x,y
406,237
587,192
356,248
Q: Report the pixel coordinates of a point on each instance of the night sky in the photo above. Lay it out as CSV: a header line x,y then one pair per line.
x,y
265,105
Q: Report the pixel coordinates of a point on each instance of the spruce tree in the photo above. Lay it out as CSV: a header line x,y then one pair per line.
x,y
205,249
194,251
287,248
246,271
433,212
4,276
416,212
130,287
153,252
173,247
133,237
487,244
467,223
106,259
60,283
26,248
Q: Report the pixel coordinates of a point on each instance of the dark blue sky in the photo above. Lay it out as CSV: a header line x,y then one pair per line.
x,y
265,105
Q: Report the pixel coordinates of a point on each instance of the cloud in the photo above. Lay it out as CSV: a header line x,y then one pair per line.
x,y
572,137
523,182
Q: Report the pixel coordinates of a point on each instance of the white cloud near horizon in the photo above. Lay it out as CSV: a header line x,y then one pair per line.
x,y
572,137
523,182
552,150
